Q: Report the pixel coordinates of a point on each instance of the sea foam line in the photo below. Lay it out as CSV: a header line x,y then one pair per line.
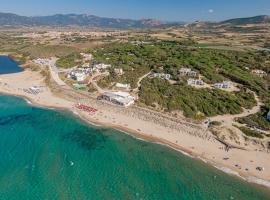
x,y
258,181
226,170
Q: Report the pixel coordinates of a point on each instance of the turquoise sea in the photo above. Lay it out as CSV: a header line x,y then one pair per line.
x,y
48,154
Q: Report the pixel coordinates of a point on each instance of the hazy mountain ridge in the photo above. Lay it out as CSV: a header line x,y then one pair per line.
x,y
262,19
8,19
257,20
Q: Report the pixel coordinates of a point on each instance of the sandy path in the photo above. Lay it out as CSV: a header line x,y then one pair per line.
x,y
54,73
136,90
94,83
228,120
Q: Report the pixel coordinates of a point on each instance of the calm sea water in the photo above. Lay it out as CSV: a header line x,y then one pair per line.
x,y
8,66
47,154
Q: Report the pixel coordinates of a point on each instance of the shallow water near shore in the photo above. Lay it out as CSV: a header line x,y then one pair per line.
x,y
8,66
49,154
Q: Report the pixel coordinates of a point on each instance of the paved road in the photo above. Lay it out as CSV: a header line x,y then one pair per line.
x,y
54,73
94,83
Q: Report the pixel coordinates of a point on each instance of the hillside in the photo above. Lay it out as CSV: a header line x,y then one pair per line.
x,y
263,19
257,20
8,19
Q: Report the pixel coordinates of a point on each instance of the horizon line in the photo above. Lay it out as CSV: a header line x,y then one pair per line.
x,y
146,18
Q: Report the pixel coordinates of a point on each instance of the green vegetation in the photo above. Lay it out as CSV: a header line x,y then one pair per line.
x,y
215,123
130,76
169,56
41,51
210,45
10,44
251,133
69,61
257,120
195,103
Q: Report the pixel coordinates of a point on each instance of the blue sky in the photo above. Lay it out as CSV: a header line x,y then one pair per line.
x,y
171,10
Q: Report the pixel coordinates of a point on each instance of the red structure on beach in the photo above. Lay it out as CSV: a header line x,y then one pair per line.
x,y
86,108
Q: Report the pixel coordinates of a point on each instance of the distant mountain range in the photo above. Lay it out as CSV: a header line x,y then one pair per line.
x,y
257,20
8,19
62,20
262,19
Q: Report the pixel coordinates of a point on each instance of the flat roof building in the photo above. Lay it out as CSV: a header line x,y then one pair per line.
x,y
162,75
77,75
118,98
187,72
124,86
195,82
119,71
223,85
102,66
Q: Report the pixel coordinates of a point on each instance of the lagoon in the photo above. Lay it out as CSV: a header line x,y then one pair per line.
x,y
8,66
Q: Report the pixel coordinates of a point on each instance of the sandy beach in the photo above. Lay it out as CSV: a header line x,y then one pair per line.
x,y
193,139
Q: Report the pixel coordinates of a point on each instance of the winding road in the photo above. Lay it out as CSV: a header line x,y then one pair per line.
x,y
136,90
94,83
228,120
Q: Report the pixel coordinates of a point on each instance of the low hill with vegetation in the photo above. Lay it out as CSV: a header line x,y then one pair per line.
x,y
213,65
69,61
262,19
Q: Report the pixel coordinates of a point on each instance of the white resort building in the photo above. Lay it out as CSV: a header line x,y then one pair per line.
x,y
101,66
161,76
187,72
258,72
87,57
123,86
195,82
86,70
223,85
118,71
77,75
42,61
118,98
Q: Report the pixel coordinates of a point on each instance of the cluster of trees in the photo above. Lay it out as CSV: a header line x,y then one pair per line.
x,y
251,133
258,120
213,65
69,61
195,103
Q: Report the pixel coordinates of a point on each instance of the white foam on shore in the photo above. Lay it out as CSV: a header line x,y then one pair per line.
x,y
258,181
181,151
229,171
226,170
159,143
29,102
250,179
75,113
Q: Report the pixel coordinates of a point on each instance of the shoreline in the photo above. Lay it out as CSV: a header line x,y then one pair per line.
x,y
141,135
257,182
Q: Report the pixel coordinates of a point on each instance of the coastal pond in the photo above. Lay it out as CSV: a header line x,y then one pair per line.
x,y
8,66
